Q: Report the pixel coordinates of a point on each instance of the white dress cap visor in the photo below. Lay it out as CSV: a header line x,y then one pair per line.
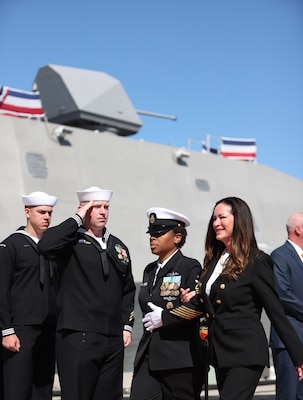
x,y
94,193
165,213
39,199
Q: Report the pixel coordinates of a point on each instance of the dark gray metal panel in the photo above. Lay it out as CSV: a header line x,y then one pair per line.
x,y
55,96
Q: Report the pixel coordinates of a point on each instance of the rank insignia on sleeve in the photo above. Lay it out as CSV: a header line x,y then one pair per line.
x,y
83,241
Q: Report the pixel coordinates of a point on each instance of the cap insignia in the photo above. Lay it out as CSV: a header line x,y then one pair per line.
x,y
152,218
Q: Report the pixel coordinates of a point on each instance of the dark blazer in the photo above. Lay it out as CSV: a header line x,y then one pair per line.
x,y
237,336
177,345
288,274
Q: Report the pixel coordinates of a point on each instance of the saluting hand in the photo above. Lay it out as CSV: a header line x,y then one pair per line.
x,y
84,208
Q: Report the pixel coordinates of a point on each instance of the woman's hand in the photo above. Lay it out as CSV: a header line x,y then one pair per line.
x,y
186,295
299,370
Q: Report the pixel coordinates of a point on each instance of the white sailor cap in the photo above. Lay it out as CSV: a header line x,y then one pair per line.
x,y
39,199
163,220
94,193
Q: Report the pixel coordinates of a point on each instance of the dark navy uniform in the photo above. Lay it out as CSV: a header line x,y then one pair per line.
x,y
95,303
173,352
27,308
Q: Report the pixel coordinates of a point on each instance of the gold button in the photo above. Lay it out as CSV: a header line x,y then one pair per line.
x,y
222,286
201,300
207,315
218,301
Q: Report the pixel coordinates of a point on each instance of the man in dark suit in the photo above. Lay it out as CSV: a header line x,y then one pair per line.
x,y
288,273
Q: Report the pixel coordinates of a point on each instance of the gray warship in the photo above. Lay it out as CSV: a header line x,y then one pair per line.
x,y
87,138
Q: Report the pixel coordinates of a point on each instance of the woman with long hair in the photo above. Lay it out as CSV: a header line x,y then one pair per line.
x,y
236,284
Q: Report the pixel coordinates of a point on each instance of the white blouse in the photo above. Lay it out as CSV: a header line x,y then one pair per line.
x,y
217,271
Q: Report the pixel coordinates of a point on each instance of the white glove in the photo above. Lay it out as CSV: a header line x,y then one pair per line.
x,y
153,319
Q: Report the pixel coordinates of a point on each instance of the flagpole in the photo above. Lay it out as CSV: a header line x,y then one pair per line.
x,y
207,141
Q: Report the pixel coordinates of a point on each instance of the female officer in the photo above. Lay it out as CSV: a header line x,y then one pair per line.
x,y
168,364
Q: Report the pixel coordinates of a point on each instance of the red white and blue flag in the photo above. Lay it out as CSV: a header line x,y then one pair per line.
x,y
238,149
20,103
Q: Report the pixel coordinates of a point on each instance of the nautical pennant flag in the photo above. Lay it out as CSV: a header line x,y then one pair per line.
x,y
238,149
20,103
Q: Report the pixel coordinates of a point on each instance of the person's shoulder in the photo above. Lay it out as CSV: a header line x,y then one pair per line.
x,y
281,249
115,239
261,255
260,267
262,259
13,237
261,271
151,266
117,244
5,242
191,261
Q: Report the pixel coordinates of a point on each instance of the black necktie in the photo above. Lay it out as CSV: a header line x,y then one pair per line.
x,y
42,269
46,267
104,263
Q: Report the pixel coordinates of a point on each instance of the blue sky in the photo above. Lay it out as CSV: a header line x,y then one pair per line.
x,y
223,67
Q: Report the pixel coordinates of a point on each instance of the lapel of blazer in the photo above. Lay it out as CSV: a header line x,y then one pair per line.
x,y
151,274
209,272
293,253
206,298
